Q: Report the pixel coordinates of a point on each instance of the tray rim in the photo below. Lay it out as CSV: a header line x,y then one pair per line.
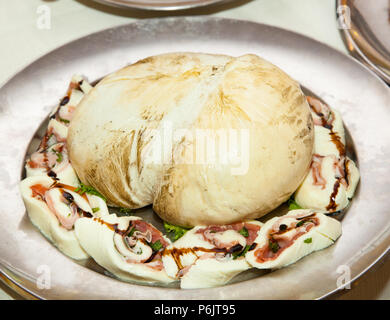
x,y
356,51
6,274
160,6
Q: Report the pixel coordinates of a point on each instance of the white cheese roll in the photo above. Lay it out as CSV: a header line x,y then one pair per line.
x,y
284,240
330,184
54,162
209,256
128,247
37,191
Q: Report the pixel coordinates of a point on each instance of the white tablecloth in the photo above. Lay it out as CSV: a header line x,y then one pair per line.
x,y
23,40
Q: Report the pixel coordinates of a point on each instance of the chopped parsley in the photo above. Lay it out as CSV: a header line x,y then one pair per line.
x,y
126,210
302,222
59,156
64,120
273,246
292,205
244,232
156,245
87,189
131,231
177,231
238,254
308,240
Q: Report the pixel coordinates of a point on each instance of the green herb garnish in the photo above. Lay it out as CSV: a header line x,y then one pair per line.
x,y
302,222
156,245
132,230
244,232
292,205
90,190
126,210
274,246
59,156
308,240
238,254
64,120
177,231
95,209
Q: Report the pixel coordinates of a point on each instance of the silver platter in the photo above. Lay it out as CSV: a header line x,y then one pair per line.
x,y
361,97
161,5
365,28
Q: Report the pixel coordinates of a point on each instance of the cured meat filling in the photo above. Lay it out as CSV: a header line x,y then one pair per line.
x,y
283,234
248,230
139,243
229,242
64,202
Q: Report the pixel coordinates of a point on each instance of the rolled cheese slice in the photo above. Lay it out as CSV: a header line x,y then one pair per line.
x,y
52,161
196,135
128,247
326,117
51,158
327,142
77,88
330,184
284,240
210,256
53,208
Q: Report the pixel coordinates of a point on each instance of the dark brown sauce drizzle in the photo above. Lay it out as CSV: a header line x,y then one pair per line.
x,y
114,227
176,253
333,135
335,138
285,229
332,204
305,217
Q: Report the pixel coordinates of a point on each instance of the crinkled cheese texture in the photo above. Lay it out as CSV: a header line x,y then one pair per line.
x,y
113,133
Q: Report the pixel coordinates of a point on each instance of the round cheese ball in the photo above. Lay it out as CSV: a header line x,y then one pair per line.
x,y
207,139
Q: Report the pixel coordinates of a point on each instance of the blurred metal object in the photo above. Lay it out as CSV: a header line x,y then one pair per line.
x,y
160,5
365,28
350,87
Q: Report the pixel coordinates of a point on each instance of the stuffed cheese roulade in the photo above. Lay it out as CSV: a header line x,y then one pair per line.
x,y
54,208
333,177
209,256
51,158
284,240
330,184
128,247
78,87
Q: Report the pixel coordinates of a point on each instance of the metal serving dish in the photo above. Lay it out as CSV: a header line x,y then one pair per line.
x,y
365,28
161,5
361,97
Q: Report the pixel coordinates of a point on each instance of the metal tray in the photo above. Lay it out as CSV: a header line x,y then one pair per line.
x,y
161,5
365,28
361,97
